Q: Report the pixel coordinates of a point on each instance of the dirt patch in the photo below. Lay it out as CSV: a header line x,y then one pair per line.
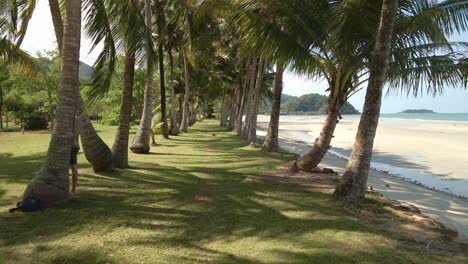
x,y
381,214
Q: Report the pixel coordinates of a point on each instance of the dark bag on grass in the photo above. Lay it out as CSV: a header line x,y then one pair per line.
x,y
27,205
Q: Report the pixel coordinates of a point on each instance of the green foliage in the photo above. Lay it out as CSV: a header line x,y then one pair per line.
x,y
32,98
107,108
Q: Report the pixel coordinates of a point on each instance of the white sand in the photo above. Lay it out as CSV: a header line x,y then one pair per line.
x,y
415,149
434,153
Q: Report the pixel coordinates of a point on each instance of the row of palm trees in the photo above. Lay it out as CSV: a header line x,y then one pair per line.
x,y
225,51
349,43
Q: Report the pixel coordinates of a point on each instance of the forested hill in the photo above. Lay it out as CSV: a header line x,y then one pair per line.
x,y
314,103
86,71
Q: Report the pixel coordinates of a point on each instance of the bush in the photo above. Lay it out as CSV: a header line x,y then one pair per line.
x,y
35,121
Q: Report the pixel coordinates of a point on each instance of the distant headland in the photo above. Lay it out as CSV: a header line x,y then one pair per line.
x,y
417,111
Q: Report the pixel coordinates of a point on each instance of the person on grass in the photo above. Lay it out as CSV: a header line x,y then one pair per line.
x,y
74,156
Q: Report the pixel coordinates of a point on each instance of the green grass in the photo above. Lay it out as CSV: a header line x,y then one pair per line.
x,y
196,198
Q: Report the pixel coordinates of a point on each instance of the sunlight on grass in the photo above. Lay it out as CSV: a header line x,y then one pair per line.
x,y
196,198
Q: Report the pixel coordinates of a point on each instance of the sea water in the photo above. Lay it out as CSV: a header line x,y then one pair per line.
x,y
430,116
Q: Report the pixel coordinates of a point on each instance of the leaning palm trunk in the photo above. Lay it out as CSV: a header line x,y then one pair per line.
x,y
314,156
120,147
51,185
252,134
271,140
185,111
174,128
353,184
95,149
141,141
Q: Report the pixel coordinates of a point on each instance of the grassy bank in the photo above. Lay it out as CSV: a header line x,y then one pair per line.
x,y
199,197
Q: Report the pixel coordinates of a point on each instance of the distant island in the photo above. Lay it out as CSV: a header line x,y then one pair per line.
x,y
417,111
312,104
309,104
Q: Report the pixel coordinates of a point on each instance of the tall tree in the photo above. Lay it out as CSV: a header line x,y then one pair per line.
x,y
51,185
353,185
174,128
161,23
185,106
120,147
271,143
141,141
96,151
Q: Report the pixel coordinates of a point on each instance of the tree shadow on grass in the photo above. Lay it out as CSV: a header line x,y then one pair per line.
x,y
197,211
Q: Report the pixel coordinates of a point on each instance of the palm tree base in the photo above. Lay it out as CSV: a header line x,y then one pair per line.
x,y
140,148
49,194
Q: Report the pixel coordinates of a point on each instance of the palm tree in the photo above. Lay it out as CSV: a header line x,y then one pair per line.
x,y
120,25
353,185
141,141
185,111
161,22
51,185
95,150
174,128
271,143
333,40
120,147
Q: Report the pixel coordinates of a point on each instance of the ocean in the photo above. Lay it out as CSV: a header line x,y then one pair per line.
x,y
435,116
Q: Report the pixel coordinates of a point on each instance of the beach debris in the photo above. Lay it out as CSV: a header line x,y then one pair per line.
x,y
329,171
370,190
402,206
387,184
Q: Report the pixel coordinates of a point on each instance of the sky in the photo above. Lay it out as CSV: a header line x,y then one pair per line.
x,y
40,36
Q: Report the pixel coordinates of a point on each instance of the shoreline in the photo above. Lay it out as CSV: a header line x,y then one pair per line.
x,y
444,207
426,153
376,168
449,210
402,177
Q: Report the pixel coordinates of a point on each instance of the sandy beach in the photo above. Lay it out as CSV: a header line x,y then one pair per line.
x,y
432,153
429,153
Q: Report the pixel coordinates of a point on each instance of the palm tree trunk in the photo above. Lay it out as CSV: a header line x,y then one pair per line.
x,y
1,107
185,112
221,109
95,149
51,185
57,22
252,82
353,184
174,129
271,140
321,146
120,147
252,136
164,127
141,141
240,113
233,109
51,109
